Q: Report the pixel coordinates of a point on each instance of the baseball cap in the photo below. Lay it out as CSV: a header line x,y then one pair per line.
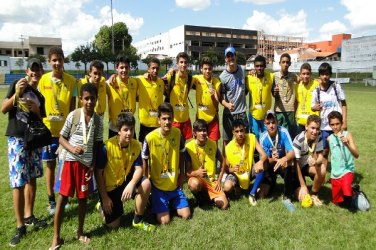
x,y
32,61
270,114
230,50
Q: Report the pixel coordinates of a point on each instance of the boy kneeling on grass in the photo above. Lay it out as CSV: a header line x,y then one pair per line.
x,y
119,175
81,147
343,151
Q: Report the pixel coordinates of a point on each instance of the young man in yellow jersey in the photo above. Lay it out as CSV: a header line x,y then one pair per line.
x,y
202,155
207,97
178,85
284,94
59,90
239,157
304,91
163,161
259,86
96,77
150,96
122,94
119,175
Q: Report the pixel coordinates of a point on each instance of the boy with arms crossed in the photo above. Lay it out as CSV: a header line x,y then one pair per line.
x,y
207,97
343,151
201,159
150,96
259,86
239,157
163,160
119,175
81,147
308,148
304,91
59,89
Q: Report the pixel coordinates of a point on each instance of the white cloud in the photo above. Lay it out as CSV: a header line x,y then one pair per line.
x,y
195,5
332,28
361,14
260,2
67,19
284,24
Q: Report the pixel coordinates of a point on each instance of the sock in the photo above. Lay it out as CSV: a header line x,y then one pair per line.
x,y
257,183
137,218
346,203
51,199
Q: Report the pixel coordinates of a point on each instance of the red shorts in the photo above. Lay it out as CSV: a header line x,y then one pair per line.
x,y
213,129
185,128
342,187
73,179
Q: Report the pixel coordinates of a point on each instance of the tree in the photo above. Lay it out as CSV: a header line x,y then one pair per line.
x,y
106,56
146,60
241,58
215,57
77,65
167,61
122,39
131,52
85,54
41,58
19,63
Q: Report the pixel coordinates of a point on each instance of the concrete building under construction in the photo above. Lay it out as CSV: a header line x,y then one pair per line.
x,y
267,44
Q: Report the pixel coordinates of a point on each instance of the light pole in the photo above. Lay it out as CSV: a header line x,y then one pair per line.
x,y
112,31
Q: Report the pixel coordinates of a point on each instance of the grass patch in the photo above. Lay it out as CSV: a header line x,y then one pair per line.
x,y
266,226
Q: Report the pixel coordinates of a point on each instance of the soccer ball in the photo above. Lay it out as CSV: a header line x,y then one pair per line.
x,y
307,201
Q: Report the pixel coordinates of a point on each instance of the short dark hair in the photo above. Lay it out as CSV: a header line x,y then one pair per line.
x,y
335,115
165,107
55,50
200,125
88,87
325,68
260,58
285,55
237,123
206,60
306,66
122,59
96,64
125,118
154,60
313,118
183,55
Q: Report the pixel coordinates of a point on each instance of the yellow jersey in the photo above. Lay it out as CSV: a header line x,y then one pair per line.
x,y
179,98
150,97
164,158
242,156
303,98
119,162
205,107
204,156
261,95
58,94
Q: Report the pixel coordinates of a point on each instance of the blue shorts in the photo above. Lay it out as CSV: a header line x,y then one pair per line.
x,y
257,126
49,152
325,134
23,164
161,201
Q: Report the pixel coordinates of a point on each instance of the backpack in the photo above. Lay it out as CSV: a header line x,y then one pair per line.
x,y
335,91
172,84
360,200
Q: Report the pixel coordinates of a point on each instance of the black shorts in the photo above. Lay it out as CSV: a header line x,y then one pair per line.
x,y
115,196
143,132
305,173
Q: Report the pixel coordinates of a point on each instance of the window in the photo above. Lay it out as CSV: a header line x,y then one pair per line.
x,y
40,50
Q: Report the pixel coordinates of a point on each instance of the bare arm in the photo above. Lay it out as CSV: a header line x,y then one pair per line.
x,y
344,114
348,141
259,166
128,190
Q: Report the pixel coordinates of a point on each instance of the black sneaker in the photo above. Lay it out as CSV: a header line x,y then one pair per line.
x,y
20,232
35,222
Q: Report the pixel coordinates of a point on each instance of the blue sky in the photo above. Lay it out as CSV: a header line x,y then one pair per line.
x,y
77,21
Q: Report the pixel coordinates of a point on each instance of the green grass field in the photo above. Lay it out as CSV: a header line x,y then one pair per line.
x,y
267,226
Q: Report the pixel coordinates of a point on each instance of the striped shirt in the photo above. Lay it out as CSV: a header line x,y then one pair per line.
x,y
301,148
77,138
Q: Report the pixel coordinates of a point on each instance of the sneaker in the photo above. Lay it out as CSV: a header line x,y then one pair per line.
x,y
252,200
144,226
20,232
316,201
288,204
35,222
51,208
